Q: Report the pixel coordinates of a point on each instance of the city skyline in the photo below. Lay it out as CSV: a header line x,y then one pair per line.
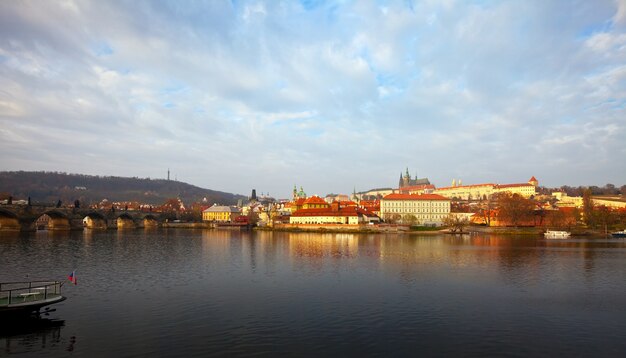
x,y
330,96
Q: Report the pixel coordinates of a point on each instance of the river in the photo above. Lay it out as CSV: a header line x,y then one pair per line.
x,y
205,293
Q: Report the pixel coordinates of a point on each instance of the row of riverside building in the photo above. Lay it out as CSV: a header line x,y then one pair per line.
x,y
415,201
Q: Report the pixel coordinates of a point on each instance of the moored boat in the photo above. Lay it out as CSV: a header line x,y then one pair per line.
x,y
26,298
619,233
553,234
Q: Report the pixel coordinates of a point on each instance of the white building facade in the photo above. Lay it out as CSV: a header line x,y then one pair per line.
x,y
428,209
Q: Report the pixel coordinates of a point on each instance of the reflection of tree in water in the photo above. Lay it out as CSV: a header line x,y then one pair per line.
x,y
32,335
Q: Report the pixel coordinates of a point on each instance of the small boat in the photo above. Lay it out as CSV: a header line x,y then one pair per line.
x,y
552,234
27,298
619,233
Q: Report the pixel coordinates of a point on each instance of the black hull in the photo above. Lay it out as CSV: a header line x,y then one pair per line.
x,y
27,309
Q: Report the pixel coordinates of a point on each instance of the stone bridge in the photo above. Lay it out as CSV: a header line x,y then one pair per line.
x,y
33,217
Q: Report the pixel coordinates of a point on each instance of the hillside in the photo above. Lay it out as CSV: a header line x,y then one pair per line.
x,y
52,186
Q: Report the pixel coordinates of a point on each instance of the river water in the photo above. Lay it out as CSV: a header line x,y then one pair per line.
x,y
229,293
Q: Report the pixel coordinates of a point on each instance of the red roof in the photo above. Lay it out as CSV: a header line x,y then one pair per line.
x,y
418,187
315,200
466,186
533,179
511,185
347,203
415,197
346,211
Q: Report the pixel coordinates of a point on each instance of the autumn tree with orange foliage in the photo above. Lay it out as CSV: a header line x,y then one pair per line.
x,y
514,208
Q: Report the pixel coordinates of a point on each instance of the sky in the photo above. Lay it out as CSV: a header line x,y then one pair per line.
x,y
333,96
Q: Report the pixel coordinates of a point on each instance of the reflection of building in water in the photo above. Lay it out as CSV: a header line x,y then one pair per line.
x,y
323,245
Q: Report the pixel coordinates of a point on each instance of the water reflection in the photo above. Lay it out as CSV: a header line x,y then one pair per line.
x,y
31,335
312,245
197,292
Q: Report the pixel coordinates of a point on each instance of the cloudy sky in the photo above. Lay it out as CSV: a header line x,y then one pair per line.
x,y
331,96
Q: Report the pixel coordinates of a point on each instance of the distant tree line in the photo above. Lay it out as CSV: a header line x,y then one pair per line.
x,y
52,186
608,189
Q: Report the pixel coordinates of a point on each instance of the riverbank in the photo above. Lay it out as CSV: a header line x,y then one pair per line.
x,y
398,229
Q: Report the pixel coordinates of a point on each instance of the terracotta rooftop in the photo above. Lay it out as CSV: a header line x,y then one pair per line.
x,y
345,211
315,200
512,185
467,186
415,197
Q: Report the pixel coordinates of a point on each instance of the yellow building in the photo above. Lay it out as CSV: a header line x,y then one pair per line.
x,y
467,192
333,214
613,203
567,201
428,209
220,213
485,191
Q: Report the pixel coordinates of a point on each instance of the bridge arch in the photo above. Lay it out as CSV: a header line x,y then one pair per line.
x,y
9,221
95,220
150,221
125,221
54,220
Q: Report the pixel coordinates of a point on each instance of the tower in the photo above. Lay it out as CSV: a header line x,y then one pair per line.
x,y
168,174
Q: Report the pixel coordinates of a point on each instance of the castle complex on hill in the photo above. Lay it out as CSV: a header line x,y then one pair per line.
x,y
406,181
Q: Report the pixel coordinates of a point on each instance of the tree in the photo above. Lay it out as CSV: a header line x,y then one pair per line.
x,y
604,217
588,216
455,223
392,218
409,219
609,189
514,209
556,219
253,217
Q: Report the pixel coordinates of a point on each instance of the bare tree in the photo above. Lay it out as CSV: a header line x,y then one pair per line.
x,y
392,218
409,219
455,223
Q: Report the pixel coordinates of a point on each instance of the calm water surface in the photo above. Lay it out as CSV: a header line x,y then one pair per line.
x,y
226,293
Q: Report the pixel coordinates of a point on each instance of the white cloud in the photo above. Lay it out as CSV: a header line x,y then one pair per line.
x,y
330,97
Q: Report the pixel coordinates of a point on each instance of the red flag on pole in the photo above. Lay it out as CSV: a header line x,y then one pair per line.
x,y
72,277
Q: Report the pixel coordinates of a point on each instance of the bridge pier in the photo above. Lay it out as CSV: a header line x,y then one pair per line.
x,y
10,224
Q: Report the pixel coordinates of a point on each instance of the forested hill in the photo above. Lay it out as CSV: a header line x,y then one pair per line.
x,y
53,186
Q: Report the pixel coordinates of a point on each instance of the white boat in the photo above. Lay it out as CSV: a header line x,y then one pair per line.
x,y
20,299
551,234
619,233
